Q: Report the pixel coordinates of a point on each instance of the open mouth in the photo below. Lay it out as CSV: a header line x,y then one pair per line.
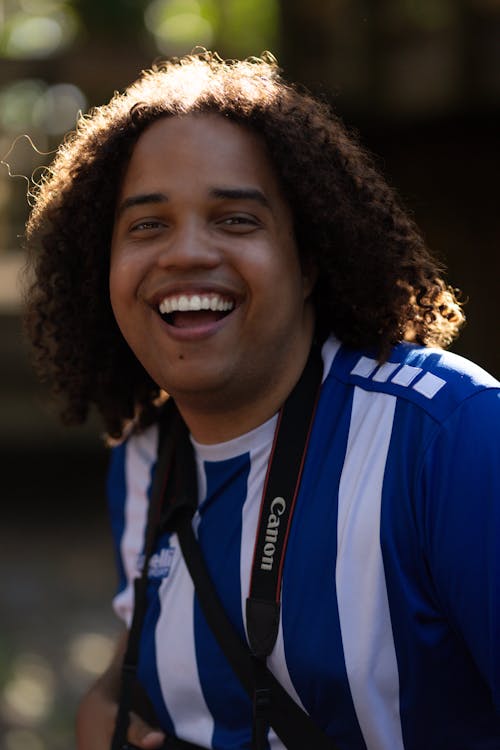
x,y
193,310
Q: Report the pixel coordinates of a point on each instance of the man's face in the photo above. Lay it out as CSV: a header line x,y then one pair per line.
x,y
205,281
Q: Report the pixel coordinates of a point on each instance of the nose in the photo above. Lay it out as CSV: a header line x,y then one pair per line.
x,y
189,246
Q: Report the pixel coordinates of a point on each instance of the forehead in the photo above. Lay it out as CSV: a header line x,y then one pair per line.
x,y
200,147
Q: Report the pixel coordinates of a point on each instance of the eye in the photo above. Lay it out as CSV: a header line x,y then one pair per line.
x,y
239,223
147,225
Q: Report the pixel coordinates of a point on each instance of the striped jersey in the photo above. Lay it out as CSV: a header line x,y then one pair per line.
x,y
390,614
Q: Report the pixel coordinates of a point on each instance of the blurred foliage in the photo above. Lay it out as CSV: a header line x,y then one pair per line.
x,y
174,24
32,30
32,103
37,29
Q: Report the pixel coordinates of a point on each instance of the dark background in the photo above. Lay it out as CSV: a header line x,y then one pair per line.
x,y
420,83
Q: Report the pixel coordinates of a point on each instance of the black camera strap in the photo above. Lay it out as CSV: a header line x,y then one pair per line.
x,y
279,496
165,455
173,503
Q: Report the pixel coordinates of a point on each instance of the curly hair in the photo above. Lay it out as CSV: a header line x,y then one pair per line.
x,y
377,283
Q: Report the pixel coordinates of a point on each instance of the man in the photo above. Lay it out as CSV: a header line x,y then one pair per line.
x,y
239,227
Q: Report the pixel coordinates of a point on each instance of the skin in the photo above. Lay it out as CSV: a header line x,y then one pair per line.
x,y
200,211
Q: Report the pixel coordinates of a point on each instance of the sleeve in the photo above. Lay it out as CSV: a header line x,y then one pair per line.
x,y
128,487
461,484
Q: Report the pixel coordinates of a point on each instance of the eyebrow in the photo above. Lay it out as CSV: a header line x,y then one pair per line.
x,y
140,200
236,194
220,193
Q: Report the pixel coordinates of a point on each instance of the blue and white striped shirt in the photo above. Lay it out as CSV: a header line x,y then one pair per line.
x,y
390,624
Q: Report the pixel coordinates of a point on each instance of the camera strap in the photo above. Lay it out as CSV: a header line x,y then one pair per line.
x,y
174,501
163,471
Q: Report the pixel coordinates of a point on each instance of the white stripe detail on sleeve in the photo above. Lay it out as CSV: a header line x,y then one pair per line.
x,y
140,456
364,367
365,621
176,655
429,385
385,371
406,375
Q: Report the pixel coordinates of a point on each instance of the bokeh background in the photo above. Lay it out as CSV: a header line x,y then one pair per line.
x,y
420,82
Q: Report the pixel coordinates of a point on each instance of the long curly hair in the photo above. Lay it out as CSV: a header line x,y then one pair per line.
x,y
377,283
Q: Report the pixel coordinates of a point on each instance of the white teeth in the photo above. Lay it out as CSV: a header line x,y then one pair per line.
x,y
185,303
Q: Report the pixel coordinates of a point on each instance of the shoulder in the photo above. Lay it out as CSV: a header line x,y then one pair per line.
x,y
434,380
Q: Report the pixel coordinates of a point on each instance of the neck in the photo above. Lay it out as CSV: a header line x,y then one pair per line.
x,y
213,421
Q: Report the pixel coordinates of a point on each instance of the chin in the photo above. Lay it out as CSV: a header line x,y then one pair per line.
x,y
203,389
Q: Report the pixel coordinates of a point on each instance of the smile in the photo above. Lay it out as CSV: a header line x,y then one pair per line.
x,y
187,310
195,302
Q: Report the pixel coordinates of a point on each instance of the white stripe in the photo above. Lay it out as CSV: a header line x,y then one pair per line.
x,y
202,490
201,476
139,458
364,367
384,371
278,666
406,375
176,655
328,353
365,622
429,385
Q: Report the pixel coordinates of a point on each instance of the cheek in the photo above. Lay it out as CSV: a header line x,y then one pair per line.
x,y
277,262
123,273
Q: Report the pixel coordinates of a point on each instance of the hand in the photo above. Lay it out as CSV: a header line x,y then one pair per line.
x,y
143,735
96,721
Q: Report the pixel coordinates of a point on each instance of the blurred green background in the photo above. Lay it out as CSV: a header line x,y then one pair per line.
x,y
418,79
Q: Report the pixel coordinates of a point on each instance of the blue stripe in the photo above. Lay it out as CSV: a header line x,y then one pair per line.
x,y
219,534
311,628
456,702
117,494
410,592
